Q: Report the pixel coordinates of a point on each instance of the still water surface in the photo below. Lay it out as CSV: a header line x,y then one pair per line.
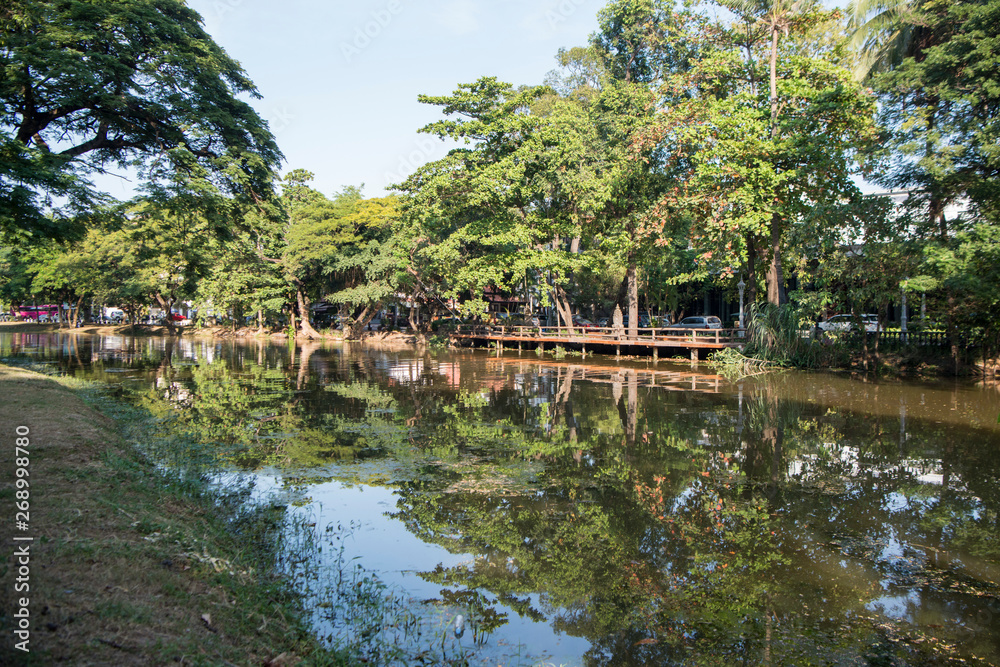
x,y
582,512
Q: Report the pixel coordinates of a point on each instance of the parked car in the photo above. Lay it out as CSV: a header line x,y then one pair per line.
x,y
583,322
698,322
871,323
644,322
844,322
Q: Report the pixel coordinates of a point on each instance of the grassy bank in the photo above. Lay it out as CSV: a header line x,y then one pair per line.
x,y
130,565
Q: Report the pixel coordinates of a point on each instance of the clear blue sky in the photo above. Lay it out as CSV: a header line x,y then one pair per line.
x,y
340,79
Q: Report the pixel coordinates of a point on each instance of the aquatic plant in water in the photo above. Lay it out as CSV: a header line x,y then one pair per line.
x,y
355,612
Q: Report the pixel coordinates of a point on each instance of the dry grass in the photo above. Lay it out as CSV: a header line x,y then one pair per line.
x,y
129,566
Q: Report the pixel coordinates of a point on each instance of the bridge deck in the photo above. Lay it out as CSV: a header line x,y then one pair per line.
x,y
655,339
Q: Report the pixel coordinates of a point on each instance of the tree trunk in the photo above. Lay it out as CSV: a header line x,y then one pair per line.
x,y
775,280
633,407
414,319
937,219
167,305
774,83
633,298
776,294
561,302
953,332
366,316
305,325
76,315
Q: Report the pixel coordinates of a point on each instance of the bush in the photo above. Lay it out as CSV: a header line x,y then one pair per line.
x,y
775,334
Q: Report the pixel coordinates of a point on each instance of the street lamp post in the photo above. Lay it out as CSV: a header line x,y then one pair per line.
x,y
902,318
741,285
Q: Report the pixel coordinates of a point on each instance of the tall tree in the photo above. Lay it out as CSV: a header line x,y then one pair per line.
x,y
941,105
641,42
87,84
768,138
241,282
494,212
370,271
314,234
770,20
171,260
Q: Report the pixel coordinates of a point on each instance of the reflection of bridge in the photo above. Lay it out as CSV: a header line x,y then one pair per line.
x,y
666,379
603,338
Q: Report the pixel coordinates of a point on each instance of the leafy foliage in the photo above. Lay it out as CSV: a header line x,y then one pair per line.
x,y
86,85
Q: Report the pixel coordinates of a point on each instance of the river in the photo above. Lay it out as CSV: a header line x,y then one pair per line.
x,y
590,512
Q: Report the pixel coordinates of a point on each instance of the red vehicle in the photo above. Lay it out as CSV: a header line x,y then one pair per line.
x,y
46,313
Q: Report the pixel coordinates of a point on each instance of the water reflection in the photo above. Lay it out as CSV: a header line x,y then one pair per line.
x,y
613,515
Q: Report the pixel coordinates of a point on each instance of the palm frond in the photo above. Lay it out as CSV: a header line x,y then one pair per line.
x,y
880,32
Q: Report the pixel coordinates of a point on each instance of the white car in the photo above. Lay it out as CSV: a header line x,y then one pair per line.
x,y
846,323
698,322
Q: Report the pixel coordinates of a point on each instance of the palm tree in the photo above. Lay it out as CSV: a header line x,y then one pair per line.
x,y
773,19
886,32
882,33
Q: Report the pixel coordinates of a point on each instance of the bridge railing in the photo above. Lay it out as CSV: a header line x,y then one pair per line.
x,y
923,338
605,335
666,335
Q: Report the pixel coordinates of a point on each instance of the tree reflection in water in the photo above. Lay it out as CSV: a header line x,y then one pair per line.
x,y
666,516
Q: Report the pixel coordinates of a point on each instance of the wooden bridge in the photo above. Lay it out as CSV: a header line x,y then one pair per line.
x,y
602,339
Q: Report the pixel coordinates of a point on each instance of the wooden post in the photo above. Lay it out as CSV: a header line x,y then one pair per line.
x,y
656,354
694,355
618,350
584,350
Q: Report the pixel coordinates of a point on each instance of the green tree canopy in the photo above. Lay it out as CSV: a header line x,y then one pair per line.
x,y
87,85
770,139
